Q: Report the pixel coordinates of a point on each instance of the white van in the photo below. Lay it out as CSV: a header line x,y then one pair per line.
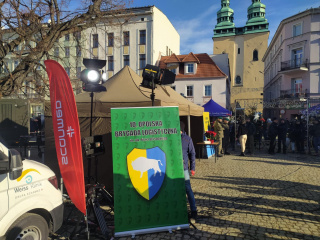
x,y
31,203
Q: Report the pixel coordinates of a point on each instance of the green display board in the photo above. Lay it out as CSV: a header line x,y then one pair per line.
x,y
148,174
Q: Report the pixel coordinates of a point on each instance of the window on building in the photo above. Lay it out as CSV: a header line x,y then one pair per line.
x,y
78,71
126,60
238,50
67,37
67,71
296,85
126,38
174,70
142,61
39,66
56,52
190,68
142,34
110,63
95,40
78,51
297,29
238,80
110,39
67,51
208,90
77,35
190,91
255,55
16,63
296,57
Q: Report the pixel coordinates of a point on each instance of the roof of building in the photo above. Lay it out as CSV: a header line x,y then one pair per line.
x,y
206,66
191,58
222,62
172,59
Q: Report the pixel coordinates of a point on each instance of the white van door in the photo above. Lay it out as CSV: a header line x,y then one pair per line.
x,y
4,195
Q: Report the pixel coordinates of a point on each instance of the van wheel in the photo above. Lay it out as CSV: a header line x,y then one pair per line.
x,y
29,226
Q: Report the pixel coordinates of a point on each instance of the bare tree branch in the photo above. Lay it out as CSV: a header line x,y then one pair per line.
x,y
42,22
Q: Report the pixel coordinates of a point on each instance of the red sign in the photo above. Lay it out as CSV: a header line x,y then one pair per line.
x,y
66,133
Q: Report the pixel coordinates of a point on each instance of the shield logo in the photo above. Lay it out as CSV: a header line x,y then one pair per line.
x,y
147,168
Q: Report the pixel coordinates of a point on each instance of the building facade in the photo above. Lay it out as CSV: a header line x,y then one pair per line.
x,y
245,47
137,38
292,64
198,78
133,37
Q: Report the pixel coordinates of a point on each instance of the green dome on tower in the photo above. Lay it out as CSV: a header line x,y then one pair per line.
x,y
256,20
256,17
225,23
225,15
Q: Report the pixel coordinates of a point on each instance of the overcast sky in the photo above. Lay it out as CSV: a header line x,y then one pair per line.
x,y
195,20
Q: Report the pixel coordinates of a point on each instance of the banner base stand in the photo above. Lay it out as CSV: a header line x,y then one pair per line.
x,y
133,233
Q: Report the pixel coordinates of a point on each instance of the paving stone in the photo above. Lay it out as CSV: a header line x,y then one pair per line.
x,y
259,197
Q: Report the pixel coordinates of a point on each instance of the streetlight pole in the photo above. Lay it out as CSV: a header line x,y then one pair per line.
x,y
235,125
307,124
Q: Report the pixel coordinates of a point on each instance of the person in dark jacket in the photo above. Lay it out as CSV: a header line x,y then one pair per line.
x,y
259,131
232,134
242,136
315,133
250,136
272,134
265,129
291,136
299,133
226,135
188,153
282,136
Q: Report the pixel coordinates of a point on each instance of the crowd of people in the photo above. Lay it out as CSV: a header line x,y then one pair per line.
x,y
281,135
249,133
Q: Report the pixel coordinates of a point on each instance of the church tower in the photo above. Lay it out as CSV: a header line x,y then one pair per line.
x,y
225,19
245,47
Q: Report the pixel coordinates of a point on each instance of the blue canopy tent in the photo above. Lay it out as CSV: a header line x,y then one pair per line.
x,y
312,111
215,110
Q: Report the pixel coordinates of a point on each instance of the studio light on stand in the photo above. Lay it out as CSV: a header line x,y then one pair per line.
x,y
92,77
153,75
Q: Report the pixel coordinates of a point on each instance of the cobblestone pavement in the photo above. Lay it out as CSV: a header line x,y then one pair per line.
x,y
253,197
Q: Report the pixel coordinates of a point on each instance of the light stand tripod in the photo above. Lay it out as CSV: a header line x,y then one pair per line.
x,y
92,147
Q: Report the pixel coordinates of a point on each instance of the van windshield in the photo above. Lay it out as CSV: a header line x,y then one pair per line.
x,y
3,152
3,156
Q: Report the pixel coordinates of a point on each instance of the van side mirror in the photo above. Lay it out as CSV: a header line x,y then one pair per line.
x,y
15,163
